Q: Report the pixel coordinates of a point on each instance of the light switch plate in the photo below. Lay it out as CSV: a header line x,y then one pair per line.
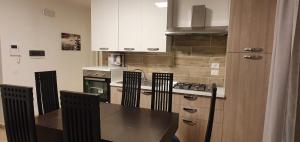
x,y
215,66
14,50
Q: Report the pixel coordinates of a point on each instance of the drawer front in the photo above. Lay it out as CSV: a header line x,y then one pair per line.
x,y
189,130
200,113
193,130
200,102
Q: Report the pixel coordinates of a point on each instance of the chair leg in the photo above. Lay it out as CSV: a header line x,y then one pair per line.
x,y
175,139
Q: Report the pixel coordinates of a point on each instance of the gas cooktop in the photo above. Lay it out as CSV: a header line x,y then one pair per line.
x,y
192,86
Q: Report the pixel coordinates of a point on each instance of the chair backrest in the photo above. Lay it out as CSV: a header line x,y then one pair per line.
x,y
46,90
162,89
211,114
18,112
131,89
81,117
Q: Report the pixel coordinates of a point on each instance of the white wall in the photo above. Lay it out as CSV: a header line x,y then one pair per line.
x,y
22,23
1,111
217,13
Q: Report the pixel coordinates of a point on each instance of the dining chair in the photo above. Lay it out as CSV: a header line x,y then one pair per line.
x,y
162,89
80,117
131,89
18,113
46,90
211,114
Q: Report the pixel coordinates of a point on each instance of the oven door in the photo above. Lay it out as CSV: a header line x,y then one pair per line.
x,y
100,86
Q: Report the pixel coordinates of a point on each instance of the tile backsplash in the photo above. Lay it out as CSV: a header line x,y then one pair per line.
x,y
190,59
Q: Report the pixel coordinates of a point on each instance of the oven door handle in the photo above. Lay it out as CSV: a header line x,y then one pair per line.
x,y
94,79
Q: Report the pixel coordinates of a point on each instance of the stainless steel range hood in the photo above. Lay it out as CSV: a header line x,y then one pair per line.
x,y
197,25
220,30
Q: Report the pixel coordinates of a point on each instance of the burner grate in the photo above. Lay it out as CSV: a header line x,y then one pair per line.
x,y
192,86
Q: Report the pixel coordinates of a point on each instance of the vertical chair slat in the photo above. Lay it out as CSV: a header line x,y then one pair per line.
x,y
164,88
211,114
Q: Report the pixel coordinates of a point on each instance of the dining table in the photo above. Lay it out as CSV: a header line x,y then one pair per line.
x,y
117,124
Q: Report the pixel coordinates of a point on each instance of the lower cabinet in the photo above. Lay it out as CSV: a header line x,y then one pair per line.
x,y
193,114
116,95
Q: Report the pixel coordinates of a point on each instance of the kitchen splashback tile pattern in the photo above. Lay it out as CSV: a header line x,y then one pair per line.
x,y
190,59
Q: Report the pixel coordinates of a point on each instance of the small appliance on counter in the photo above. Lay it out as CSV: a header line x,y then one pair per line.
x,y
116,60
96,80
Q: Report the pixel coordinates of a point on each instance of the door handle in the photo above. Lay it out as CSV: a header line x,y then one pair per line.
x,y
191,98
152,49
147,92
103,48
129,49
189,122
94,79
190,110
253,49
252,57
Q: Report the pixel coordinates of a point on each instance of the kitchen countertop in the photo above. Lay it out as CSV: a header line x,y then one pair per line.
x,y
220,91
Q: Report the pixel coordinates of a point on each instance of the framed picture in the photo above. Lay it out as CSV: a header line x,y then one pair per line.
x,y
70,41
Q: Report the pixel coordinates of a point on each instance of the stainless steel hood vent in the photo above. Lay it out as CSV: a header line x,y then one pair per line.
x,y
197,25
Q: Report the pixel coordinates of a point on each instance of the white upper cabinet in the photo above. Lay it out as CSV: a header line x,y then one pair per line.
x,y
129,25
105,25
154,25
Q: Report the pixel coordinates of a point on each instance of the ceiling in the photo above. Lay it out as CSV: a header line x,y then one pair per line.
x,y
86,3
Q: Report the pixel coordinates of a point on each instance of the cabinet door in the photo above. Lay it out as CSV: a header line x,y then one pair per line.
x,y
116,95
104,16
154,25
246,94
251,25
130,25
145,99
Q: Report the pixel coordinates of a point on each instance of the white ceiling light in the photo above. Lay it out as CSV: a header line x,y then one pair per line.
x,y
161,4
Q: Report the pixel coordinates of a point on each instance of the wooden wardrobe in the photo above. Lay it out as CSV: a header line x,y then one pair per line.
x,y
250,43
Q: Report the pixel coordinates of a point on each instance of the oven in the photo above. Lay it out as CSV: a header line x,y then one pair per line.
x,y
97,82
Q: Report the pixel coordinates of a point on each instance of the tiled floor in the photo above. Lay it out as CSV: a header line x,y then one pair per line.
x,y
2,135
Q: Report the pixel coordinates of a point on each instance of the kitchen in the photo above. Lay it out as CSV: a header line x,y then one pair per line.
x,y
226,43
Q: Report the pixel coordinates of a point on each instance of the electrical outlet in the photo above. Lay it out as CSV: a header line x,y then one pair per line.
x,y
214,72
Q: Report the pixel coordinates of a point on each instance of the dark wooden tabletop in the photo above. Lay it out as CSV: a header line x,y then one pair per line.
x,y
118,124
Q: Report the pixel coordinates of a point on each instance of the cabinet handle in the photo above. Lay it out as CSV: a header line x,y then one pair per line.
x,y
119,90
103,48
152,49
129,49
253,49
190,110
147,92
191,98
253,57
189,122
